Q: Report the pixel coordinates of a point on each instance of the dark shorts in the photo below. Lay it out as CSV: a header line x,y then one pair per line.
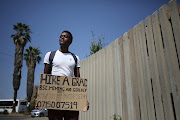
x,y
59,114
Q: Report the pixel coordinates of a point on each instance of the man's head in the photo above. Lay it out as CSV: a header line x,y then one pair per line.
x,y
65,38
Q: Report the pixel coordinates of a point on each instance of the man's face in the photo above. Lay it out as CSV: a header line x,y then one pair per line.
x,y
65,39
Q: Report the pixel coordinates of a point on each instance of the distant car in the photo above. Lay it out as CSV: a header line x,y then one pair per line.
x,y
39,113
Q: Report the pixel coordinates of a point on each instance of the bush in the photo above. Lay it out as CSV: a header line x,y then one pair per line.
x,y
5,112
26,113
21,112
32,105
116,117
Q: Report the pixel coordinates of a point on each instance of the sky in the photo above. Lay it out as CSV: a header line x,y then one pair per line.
x,y
108,19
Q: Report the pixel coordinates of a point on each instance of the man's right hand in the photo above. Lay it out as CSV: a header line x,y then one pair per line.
x,y
87,107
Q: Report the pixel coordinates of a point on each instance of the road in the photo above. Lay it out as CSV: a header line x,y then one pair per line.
x,y
22,118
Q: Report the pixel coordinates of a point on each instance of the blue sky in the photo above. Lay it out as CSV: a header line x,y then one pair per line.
x,y
47,19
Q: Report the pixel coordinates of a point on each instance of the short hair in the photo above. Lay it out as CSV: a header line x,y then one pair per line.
x,y
69,34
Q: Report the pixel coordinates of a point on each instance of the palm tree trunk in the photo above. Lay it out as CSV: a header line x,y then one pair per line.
x,y
14,103
17,70
30,84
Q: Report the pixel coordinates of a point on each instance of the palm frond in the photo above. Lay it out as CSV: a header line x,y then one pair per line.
x,y
22,30
38,59
32,55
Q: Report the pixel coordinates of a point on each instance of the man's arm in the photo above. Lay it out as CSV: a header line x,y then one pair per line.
x,y
78,72
46,68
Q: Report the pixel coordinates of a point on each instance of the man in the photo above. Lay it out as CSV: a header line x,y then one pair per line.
x,y
63,64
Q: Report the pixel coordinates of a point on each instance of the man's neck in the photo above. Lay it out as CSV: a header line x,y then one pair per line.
x,y
64,49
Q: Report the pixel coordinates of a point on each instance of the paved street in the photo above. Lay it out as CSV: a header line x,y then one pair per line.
x,y
22,118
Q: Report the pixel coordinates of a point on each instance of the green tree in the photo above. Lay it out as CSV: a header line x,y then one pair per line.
x,y
32,105
96,46
21,37
32,57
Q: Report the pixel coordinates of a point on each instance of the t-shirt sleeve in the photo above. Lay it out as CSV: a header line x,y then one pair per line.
x,y
78,62
46,58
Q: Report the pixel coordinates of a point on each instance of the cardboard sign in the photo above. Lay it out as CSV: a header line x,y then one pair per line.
x,y
62,93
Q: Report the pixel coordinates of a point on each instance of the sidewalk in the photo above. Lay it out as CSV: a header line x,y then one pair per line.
x,y
13,115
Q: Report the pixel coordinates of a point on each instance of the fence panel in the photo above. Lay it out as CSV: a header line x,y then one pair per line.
x,y
126,43
116,76
154,70
123,82
162,70
171,56
147,80
134,79
173,8
103,110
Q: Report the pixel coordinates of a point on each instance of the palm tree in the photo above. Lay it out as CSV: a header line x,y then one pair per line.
x,y
31,56
21,37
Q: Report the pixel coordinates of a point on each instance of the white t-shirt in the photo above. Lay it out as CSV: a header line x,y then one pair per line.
x,y
63,63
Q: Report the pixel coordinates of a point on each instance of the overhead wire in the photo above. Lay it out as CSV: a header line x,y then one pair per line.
x,y
23,75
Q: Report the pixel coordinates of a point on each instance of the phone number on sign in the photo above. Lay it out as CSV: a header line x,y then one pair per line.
x,y
60,105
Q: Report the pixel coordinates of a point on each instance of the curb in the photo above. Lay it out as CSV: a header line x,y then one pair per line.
x,y
14,115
